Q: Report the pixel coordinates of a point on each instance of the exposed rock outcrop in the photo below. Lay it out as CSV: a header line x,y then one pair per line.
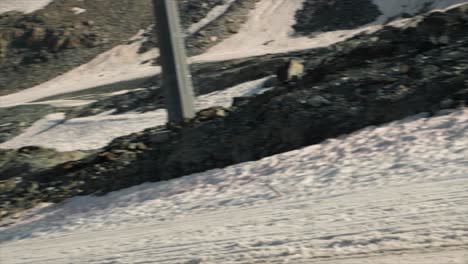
x,y
329,15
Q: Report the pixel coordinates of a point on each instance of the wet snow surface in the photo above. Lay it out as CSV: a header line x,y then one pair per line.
x,y
400,188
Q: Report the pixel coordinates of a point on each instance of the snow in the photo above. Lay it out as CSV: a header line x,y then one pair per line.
x,y
54,131
390,194
214,14
78,10
123,63
120,64
63,103
25,6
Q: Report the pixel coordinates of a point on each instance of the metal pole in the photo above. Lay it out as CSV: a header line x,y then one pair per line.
x,y
176,78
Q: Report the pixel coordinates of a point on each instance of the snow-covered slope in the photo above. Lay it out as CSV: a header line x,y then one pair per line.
x,y
26,6
400,189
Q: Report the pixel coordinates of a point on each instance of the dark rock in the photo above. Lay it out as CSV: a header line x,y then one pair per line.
x,y
35,37
3,48
330,15
159,137
447,103
21,162
317,101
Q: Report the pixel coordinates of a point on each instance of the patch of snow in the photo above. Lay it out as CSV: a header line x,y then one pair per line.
x,y
84,133
214,14
94,132
80,100
64,103
25,6
399,188
78,10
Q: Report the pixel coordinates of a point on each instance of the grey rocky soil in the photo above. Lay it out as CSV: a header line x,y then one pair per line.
x,y
365,81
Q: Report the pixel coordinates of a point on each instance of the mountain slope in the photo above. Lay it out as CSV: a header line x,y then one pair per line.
x,y
276,179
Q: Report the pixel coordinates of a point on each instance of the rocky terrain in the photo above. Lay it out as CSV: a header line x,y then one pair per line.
x,y
39,46
420,65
